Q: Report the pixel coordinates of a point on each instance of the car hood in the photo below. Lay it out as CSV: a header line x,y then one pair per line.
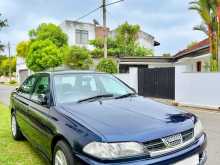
x,y
130,119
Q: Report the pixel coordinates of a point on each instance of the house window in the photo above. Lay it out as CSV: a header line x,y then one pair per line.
x,y
82,37
199,66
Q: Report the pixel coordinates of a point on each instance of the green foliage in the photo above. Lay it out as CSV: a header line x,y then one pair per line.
x,y
49,32
78,58
167,55
8,155
124,44
5,64
141,51
22,48
12,82
98,52
107,65
192,44
213,65
126,37
3,23
207,9
42,55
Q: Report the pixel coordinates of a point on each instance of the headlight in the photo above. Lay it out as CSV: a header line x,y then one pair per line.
x,y
198,129
114,150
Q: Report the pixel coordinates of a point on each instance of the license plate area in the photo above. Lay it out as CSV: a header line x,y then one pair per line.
x,y
193,160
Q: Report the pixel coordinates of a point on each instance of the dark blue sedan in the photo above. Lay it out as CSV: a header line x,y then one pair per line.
x,y
78,117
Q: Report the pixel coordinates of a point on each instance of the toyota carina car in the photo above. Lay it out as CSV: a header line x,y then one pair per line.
x,y
84,117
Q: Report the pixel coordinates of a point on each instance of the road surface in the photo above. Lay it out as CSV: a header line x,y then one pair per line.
x,y
5,93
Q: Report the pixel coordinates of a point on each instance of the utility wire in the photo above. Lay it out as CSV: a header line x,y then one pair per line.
x,y
94,10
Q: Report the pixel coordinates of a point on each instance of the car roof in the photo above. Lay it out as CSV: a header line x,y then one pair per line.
x,y
68,72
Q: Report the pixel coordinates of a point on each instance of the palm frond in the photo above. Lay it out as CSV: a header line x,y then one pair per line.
x,y
201,27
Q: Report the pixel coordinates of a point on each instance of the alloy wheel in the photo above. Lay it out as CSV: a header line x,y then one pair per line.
x,y
60,158
13,126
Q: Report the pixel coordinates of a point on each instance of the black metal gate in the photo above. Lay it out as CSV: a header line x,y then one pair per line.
x,y
157,82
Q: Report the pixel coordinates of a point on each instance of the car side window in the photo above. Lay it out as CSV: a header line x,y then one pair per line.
x,y
27,87
41,88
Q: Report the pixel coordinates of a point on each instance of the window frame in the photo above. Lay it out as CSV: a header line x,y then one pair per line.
x,y
27,95
39,76
81,32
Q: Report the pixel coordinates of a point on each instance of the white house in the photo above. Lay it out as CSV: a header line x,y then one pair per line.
x,y
79,33
195,58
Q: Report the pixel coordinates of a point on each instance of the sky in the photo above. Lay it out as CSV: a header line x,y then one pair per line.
x,y
169,21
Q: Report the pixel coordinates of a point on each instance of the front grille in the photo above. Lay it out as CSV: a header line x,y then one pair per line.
x,y
158,144
155,145
187,135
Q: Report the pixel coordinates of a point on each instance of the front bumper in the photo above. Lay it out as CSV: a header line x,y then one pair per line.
x,y
198,147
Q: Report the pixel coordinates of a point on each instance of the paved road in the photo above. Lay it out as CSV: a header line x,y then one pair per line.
x,y
211,124
210,120
5,93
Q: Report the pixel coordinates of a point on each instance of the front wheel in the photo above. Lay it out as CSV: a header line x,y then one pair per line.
x,y
15,130
63,154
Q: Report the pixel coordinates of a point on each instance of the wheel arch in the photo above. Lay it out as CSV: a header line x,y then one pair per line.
x,y
55,140
12,110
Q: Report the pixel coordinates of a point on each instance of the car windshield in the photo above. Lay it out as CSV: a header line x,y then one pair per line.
x,y
76,87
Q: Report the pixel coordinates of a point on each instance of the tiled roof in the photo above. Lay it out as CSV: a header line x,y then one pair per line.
x,y
200,45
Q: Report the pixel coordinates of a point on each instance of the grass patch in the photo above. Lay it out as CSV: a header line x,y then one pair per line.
x,y
11,151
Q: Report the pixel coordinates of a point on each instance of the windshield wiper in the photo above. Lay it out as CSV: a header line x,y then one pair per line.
x,y
126,95
95,97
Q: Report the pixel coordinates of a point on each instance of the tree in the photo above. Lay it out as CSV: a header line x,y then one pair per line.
x,y
207,9
124,44
107,65
49,32
126,37
42,55
5,64
22,48
3,23
78,58
98,52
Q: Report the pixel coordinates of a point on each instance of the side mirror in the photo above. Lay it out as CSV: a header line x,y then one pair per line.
x,y
42,99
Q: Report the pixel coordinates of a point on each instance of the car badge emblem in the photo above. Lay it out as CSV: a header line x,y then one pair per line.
x,y
172,141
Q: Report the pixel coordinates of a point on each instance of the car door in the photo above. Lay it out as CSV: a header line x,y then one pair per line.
x,y
38,114
21,100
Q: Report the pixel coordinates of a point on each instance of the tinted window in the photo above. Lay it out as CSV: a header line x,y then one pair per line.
x,y
41,87
28,85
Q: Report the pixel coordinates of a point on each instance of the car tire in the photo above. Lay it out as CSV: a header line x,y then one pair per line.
x,y
15,129
62,152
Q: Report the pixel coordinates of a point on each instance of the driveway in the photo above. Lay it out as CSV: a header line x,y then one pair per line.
x,y
211,124
5,93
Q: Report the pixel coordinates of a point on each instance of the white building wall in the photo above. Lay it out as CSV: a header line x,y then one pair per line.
x,y
130,78
197,89
70,27
146,42
191,63
20,65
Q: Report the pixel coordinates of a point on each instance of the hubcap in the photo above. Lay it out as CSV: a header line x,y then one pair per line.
x,y
13,125
60,158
